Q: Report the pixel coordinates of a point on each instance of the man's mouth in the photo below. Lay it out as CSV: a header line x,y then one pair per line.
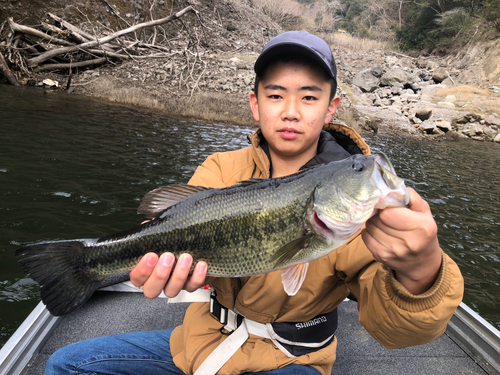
x,y
289,133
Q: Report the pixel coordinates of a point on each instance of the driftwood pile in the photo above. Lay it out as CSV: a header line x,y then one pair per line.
x,y
63,46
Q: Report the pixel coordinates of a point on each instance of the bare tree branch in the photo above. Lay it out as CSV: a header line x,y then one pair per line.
x,y
50,54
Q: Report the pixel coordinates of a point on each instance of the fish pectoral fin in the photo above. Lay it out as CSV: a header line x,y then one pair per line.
x,y
288,251
158,200
293,277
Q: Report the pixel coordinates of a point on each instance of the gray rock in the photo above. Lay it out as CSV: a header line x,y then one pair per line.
x,y
497,138
472,130
445,126
446,105
415,120
450,98
427,127
439,75
366,81
431,89
410,98
424,113
415,87
395,108
431,65
448,82
490,133
397,78
377,71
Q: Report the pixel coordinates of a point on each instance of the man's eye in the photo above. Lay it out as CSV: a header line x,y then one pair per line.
x,y
309,98
274,96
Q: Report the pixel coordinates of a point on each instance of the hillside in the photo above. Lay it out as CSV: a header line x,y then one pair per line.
x,y
201,65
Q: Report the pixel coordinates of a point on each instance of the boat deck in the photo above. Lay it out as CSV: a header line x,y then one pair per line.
x,y
358,353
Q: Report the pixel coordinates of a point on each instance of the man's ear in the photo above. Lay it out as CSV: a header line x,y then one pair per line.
x,y
254,106
332,107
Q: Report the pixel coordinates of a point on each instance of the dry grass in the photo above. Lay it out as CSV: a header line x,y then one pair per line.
x,y
469,98
286,13
355,44
205,106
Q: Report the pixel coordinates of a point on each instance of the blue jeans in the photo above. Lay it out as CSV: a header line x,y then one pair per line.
x,y
131,353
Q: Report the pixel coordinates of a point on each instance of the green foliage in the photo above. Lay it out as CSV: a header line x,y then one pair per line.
x,y
432,23
353,9
491,12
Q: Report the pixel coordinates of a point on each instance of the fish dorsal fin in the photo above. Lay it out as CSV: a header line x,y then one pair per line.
x,y
288,251
293,277
158,200
251,181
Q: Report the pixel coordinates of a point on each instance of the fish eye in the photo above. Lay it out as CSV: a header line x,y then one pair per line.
x,y
357,166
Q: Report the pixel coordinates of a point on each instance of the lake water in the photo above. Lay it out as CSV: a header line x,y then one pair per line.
x,y
73,167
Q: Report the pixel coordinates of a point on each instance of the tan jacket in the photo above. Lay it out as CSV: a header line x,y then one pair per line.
x,y
391,314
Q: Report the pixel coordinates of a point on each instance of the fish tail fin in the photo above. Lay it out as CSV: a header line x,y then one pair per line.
x,y
64,286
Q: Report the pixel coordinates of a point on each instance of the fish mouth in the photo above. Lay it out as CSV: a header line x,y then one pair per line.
x,y
323,224
393,189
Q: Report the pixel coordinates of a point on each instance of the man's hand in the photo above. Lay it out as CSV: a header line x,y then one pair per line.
x,y
156,274
405,240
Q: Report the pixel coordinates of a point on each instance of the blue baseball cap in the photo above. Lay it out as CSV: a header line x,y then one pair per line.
x,y
301,42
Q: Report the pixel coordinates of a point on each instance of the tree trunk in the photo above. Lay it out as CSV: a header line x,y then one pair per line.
x,y
6,72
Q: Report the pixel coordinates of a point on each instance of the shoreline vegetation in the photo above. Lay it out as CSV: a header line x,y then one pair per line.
x,y
197,61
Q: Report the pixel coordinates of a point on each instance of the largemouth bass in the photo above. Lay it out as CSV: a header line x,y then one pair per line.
x,y
258,226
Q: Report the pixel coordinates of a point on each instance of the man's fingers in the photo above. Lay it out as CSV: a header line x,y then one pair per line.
x,y
142,271
179,276
197,279
160,275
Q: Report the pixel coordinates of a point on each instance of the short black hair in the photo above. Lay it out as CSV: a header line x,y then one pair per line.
x,y
299,59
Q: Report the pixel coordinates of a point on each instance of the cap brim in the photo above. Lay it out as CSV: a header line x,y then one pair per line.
x,y
270,55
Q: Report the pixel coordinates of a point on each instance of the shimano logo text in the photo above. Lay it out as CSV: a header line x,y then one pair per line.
x,y
312,322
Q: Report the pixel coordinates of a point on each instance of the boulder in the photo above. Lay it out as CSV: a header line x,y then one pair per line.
x,y
450,98
425,99
431,65
446,105
431,89
472,130
448,82
397,78
443,125
410,98
424,113
415,87
377,71
439,75
497,138
366,81
490,133
427,127
415,120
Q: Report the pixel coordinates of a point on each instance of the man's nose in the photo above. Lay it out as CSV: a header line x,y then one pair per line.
x,y
290,110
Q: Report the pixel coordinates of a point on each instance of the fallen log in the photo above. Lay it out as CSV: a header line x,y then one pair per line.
x,y
6,71
70,27
50,54
28,30
76,33
70,65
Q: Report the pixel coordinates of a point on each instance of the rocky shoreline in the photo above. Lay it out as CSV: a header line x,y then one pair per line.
x,y
427,99
395,95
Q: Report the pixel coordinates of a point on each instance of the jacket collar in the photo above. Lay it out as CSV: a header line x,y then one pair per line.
x,y
336,142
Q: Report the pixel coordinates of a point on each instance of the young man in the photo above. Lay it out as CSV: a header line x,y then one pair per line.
x,y
406,287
